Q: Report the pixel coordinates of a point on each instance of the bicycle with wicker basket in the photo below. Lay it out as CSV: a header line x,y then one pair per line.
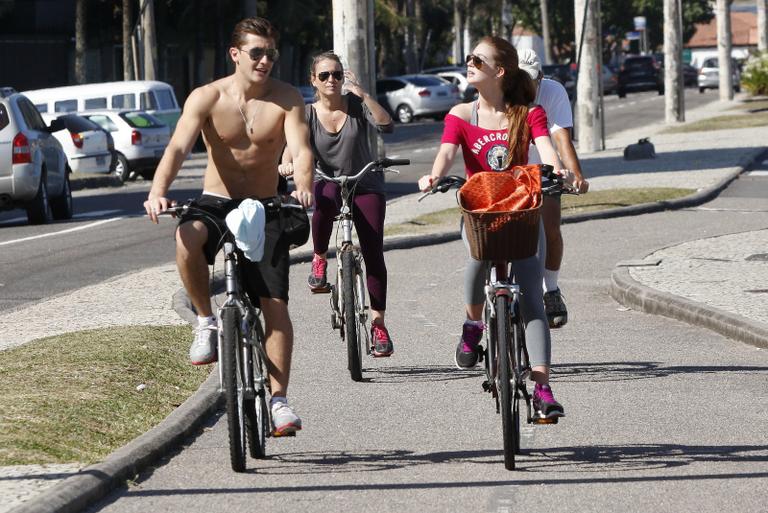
x,y
504,231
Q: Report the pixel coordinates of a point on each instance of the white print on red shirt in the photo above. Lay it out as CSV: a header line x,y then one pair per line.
x,y
488,138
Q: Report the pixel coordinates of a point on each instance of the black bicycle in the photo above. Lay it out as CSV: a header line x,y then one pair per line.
x,y
349,313
507,366
242,359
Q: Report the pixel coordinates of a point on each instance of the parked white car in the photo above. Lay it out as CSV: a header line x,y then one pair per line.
x,y
709,75
140,139
410,96
33,167
458,77
85,143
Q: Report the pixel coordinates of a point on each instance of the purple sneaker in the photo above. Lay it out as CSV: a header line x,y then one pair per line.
x,y
544,403
468,351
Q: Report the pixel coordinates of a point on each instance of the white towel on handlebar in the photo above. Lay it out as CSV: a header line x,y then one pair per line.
x,y
246,223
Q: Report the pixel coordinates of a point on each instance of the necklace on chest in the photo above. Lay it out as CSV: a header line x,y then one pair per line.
x,y
248,125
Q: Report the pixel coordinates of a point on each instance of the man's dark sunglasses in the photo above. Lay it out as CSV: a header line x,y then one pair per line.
x,y
324,75
475,60
257,52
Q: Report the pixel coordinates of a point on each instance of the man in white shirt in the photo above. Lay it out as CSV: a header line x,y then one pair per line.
x,y
551,95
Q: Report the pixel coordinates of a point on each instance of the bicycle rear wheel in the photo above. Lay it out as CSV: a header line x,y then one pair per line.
x,y
233,386
256,412
519,362
351,327
510,430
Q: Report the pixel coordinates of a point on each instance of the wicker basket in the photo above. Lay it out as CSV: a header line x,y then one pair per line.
x,y
507,234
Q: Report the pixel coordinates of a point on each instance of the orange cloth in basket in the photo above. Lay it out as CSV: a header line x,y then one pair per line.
x,y
518,188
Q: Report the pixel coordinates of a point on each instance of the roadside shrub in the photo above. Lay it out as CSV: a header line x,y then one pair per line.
x,y
755,75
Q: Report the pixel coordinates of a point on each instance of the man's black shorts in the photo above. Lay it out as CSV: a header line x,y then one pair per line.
x,y
268,278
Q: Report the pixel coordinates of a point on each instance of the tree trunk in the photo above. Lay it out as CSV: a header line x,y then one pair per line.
x,y
673,63
762,26
127,43
458,58
150,41
545,32
352,42
587,89
410,37
80,38
724,49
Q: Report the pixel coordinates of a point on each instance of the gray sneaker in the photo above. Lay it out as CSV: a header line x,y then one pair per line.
x,y
284,420
203,348
557,313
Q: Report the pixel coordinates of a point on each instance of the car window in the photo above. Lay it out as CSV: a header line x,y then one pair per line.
x,y
65,106
425,81
710,63
95,103
124,101
5,120
79,124
147,101
31,115
41,107
104,122
164,99
391,85
141,120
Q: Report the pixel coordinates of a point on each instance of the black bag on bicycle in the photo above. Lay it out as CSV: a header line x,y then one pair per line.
x,y
294,224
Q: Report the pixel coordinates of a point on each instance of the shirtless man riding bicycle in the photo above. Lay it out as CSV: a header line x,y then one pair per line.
x,y
246,119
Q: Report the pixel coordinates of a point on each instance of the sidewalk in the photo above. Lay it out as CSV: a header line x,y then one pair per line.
x,y
702,160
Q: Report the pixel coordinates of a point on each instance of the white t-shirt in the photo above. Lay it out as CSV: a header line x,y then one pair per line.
x,y
554,99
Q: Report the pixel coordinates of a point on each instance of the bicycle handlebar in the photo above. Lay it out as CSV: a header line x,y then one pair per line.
x,y
182,208
377,164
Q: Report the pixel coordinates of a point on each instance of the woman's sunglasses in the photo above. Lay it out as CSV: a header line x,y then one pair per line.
x,y
325,75
257,52
475,60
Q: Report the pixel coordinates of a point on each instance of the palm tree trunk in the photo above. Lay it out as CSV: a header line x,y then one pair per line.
x,y
80,35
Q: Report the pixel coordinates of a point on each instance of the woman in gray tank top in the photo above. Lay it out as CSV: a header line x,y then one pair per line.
x,y
339,126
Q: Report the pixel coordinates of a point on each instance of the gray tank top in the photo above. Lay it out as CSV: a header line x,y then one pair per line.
x,y
347,151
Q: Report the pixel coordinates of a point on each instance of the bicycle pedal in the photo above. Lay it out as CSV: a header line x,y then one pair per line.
x,y
486,386
552,420
275,434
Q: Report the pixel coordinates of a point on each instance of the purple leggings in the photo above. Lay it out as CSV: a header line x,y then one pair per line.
x,y
368,215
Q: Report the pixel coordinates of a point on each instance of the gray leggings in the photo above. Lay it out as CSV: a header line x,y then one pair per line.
x,y
528,274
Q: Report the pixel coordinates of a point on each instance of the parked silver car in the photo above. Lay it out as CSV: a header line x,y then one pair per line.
x,y
457,76
33,167
410,96
709,75
140,139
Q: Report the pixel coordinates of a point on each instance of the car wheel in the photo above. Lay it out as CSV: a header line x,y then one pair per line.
x,y
622,93
61,207
147,174
701,90
404,113
737,88
661,91
122,172
39,209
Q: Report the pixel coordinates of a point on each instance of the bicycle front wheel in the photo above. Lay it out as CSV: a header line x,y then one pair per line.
x,y
510,429
351,327
256,413
233,386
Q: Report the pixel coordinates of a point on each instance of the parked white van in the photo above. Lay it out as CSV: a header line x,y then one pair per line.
x,y
151,96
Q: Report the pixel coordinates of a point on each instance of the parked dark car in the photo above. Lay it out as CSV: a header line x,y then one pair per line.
x,y
640,73
562,73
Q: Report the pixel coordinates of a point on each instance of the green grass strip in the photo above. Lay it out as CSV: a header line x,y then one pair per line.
x,y
73,398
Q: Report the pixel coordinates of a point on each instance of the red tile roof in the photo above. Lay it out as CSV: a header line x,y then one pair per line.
x,y
743,31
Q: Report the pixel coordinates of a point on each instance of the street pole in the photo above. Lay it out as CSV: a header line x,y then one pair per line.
x,y
762,26
149,40
723,14
587,85
353,43
545,32
458,59
673,58
80,36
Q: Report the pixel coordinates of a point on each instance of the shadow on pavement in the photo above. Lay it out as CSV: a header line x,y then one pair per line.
x,y
630,371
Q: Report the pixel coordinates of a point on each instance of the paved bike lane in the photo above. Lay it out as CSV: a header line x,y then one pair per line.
x,y
361,459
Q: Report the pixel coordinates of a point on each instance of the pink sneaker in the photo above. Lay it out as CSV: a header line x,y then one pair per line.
x,y
382,344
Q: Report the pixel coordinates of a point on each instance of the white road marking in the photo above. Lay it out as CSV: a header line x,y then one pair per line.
x,y
757,173
68,230
96,213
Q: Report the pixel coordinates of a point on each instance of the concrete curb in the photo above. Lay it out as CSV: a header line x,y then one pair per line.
x,y
633,294
95,482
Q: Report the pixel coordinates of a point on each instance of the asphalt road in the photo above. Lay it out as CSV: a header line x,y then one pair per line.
x,y
108,236
662,416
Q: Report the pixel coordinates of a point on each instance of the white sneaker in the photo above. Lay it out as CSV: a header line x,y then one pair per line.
x,y
284,420
203,348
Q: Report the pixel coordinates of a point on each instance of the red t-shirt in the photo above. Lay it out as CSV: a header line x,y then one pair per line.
x,y
486,150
